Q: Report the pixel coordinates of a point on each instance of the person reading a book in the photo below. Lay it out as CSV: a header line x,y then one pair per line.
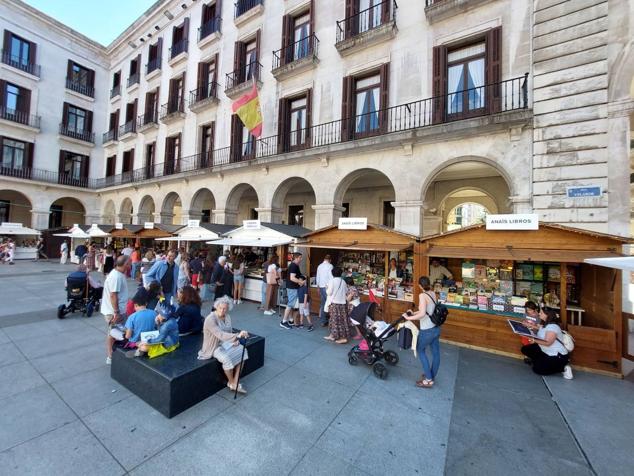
x,y
545,351
141,320
167,340
222,343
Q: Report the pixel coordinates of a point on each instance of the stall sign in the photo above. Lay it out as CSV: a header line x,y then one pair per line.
x,y
193,223
353,223
251,224
517,221
148,225
582,192
118,226
13,225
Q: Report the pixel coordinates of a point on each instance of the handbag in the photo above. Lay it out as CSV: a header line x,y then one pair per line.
x,y
567,341
271,278
404,338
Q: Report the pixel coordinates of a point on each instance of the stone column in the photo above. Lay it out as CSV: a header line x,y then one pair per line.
x,y
225,217
94,217
520,204
158,217
270,215
618,193
187,215
327,215
407,216
39,219
124,218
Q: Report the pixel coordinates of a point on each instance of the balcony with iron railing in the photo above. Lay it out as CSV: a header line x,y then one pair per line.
x,y
128,129
133,79
80,135
115,91
50,176
152,66
203,96
478,109
239,81
147,121
436,10
19,117
20,63
245,9
80,87
369,26
178,51
111,136
296,57
172,110
208,29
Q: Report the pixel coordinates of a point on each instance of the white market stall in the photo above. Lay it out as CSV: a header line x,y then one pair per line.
x,y
16,231
196,232
76,235
260,239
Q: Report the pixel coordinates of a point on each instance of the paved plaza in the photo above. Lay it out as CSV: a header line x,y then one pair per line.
x,y
307,411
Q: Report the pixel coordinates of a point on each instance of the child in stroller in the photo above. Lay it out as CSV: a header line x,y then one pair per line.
x,y
375,334
82,292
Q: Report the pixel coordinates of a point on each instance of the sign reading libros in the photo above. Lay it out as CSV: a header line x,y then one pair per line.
x,y
251,224
353,223
519,221
193,223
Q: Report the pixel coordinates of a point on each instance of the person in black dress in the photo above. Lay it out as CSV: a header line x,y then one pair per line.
x,y
108,260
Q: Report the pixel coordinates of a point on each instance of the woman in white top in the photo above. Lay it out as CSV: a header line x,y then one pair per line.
x,y
272,284
429,335
63,258
338,324
546,353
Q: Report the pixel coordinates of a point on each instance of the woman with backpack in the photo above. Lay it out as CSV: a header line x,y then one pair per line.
x,y
546,352
429,335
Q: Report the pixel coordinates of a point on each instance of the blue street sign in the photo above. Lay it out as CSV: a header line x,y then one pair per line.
x,y
581,192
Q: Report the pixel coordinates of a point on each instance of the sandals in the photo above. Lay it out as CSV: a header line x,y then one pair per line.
x,y
422,377
425,383
341,341
241,389
330,338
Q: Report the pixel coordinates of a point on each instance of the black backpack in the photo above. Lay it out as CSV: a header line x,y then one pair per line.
x,y
439,316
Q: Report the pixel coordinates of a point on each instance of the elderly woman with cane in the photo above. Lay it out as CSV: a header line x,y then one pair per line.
x,y
220,342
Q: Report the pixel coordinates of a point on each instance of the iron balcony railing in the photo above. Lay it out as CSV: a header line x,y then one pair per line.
x,y
242,75
111,135
86,136
133,79
115,91
208,91
210,27
295,51
80,88
429,3
178,48
172,107
153,65
20,63
505,96
147,119
20,117
128,127
243,6
50,176
366,20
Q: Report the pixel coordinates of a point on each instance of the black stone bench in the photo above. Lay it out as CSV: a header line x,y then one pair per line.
x,y
174,382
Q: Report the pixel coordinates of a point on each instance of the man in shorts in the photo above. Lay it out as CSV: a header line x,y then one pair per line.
x,y
114,300
293,283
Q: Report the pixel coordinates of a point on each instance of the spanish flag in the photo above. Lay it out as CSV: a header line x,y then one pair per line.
x,y
248,110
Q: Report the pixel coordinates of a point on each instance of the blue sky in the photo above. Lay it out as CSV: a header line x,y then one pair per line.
x,y
100,20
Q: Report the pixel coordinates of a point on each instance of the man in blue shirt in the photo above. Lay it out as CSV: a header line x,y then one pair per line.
x,y
166,273
142,320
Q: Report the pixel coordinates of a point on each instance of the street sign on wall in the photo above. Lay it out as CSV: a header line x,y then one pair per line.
x,y
582,192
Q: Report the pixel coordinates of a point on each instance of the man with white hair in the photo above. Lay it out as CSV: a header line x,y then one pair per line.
x,y
114,300
217,276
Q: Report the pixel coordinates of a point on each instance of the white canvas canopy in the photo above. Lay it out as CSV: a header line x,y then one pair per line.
x,y
95,232
625,263
259,242
17,229
194,233
263,235
75,234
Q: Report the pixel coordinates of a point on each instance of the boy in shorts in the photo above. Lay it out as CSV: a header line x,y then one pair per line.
x,y
303,298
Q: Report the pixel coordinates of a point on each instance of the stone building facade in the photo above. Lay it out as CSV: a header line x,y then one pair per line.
x,y
399,112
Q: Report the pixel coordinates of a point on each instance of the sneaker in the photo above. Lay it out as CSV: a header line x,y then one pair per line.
x,y
301,326
108,361
291,322
285,325
239,301
269,313
310,328
568,372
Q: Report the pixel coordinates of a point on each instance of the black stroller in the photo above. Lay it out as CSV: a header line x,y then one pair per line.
x,y
80,295
370,350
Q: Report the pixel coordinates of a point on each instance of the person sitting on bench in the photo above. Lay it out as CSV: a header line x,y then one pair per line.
x,y
220,342
141,320
167,340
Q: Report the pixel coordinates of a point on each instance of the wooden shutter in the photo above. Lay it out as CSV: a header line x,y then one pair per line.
x,y
30,146
282,126
91,78
237,49
181,103
134,113
215,78
171,92
32,52
88,121
218,8
286,20
131,160
138,65
309,114
312,18
257,54
3,92
148,105
347,121
351,7
236,139
186,31
385,11
212,136
69,69
6,43
384,103
159,51
203,68
177,159
24,101
65,114
85,166
493,65
439,84
157,99
60,169
204,17
169,153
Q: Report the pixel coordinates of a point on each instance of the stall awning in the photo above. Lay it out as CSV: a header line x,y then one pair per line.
x,y
355,246
516,254
75,234
261,243
625,263
17,229
195,233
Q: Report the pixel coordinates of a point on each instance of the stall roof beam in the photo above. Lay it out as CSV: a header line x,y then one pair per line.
x,y
514,254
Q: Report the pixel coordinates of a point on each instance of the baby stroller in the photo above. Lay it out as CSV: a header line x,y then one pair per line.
x,y
370,350
80,295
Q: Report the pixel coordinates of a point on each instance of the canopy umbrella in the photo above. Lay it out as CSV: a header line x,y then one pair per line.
x,y
259,242
625,263
17,229
74,233
195,233
95,232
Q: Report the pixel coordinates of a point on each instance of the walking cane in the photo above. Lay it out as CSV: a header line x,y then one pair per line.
x,y
243,342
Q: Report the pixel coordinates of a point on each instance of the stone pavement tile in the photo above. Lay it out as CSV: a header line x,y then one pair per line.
x,y
17,378
43,328
271,369
72,362
133,431
332,363
61,342
10,354
68,450
91,391
289,350
318,462
599,412
31,413
4,338
510,374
